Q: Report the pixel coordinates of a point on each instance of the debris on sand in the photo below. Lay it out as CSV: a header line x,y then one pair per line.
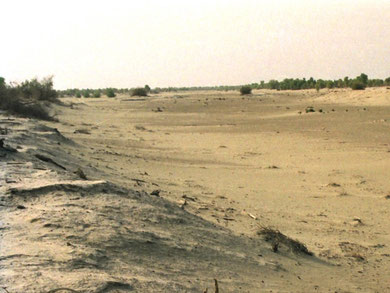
x,y
333,184
309,109
157,110
49,160
188,197
79,172
276,238
156,192
6,147
356,221
252,216
82,131
273,167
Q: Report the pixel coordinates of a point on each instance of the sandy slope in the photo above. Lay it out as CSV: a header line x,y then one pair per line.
x,y
60,233
224,165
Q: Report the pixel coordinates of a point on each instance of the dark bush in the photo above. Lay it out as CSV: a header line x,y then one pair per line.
x,y
38,90
30,99
357,85
96,94
245,90
141,92
86,94
110,93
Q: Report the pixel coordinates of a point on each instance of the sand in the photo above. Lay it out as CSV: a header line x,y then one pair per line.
x,y
220,166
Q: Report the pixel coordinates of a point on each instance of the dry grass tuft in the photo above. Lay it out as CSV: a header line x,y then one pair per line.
x,y
276,238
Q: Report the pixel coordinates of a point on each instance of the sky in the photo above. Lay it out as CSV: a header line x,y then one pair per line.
x,y
124,44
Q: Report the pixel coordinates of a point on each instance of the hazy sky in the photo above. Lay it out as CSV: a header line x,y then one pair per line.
x,y
183,43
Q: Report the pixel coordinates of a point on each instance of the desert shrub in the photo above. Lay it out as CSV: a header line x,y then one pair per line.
x,y
38,90
110,93
357,85
29,99
86,94
278,239
309,109
96,94
245,90
147,88
141,92
78,95
363,78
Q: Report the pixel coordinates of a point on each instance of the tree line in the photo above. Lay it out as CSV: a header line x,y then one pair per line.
x,y
358,83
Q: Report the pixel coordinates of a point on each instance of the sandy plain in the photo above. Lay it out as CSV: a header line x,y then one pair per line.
x,y
225,163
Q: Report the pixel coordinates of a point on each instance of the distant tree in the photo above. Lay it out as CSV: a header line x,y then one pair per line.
x,y
147,88
245,90
96,94
363,78
357,84
321,83
330,84
139,92
346,81
110,93
86,94
262,84
387,81
274,84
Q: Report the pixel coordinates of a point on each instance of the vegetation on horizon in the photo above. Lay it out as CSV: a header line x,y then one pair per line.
x,y
140,92
360,82
245,90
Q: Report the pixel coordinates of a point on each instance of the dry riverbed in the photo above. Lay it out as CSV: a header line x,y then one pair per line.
x,y
179,184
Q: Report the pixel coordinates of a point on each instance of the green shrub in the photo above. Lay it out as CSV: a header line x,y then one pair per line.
x,y
96,94
86,94
357,85
141,92
38,90
110,93
245,90
78,95
29,99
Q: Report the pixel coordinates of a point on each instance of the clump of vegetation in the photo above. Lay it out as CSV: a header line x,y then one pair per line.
x,y
38,90
96,94
140,92
245,90
110,93
358,85
310,109
277,239
86,94
31,98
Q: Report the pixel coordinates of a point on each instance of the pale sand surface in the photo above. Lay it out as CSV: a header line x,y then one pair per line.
x,y
238,162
